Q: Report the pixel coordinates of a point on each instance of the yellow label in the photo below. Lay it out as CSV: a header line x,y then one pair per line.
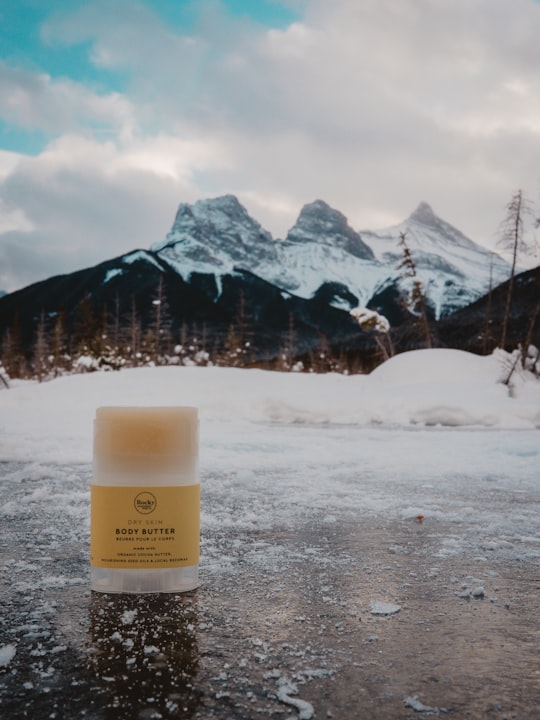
x,y
144,527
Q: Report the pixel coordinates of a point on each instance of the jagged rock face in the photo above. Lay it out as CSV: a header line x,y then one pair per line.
x,y
215,235
320,223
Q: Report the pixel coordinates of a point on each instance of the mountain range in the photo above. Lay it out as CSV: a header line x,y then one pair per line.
x,y
218,236
218,269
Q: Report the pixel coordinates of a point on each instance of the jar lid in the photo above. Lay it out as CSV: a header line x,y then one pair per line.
x,y
163,439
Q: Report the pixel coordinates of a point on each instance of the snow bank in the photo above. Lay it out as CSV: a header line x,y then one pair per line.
x,y
53,420
452,388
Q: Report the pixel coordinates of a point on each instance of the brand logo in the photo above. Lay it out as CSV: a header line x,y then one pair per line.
x,y
145,503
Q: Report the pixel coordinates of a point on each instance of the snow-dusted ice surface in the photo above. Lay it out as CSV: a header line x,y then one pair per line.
x,y
348,526
7,653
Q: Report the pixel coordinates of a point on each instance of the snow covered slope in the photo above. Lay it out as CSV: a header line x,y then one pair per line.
x,y
216,235
455,270
323,248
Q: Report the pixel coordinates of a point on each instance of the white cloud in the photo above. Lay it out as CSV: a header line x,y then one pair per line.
x,y
36,101
82,201
13,219
8,162
372,106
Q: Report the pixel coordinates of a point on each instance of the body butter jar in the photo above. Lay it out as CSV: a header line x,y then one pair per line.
x,y
145,500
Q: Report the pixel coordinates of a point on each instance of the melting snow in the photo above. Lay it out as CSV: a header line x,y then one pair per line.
x,y
378,607
413,702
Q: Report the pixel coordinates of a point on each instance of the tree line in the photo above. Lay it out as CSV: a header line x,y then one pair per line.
x,y
108,339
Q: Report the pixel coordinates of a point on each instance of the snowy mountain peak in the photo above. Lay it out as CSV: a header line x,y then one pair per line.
x,y
423,222
214,235
221,216
225,208
320,223
454,269
423,214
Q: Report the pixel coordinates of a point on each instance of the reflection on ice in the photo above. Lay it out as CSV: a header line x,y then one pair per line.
x,y
144,654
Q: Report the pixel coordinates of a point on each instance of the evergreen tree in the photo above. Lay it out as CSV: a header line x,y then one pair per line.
x,y
417,300
86,328
287,352
60,356
12,355
41,350
487,335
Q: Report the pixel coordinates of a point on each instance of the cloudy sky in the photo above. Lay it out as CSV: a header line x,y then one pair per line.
x,y
112,112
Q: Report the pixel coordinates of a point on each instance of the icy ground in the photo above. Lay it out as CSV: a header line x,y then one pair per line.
x,y
370,547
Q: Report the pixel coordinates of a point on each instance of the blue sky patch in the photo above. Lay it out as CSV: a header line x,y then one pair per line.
x,y
23,45
21,140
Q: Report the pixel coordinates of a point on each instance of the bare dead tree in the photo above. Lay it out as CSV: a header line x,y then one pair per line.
x,y
134,333
162,321
58,344
512,239
116,322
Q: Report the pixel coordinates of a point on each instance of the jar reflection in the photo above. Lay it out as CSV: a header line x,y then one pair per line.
x,y
144,655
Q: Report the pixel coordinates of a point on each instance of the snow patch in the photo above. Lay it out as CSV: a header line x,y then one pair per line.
x,y
139,255
7,653
379,607
110,274
413,702
285,693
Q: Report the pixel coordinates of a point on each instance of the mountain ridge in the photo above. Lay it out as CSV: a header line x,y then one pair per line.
x,y
218,235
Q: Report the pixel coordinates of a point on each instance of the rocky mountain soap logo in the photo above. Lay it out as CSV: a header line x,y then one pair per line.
x,y
145,503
